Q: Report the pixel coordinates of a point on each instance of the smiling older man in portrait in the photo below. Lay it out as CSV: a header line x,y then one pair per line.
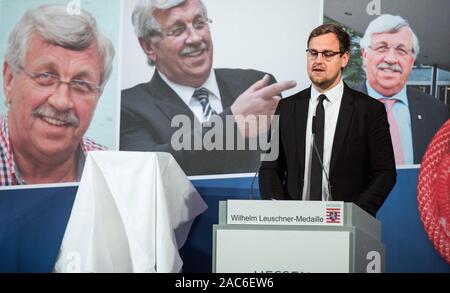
x,y
55,69
389,49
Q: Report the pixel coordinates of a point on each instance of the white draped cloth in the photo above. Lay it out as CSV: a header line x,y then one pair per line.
x,y
132,213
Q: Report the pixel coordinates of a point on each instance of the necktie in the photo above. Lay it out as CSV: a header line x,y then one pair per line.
x,y
395,133
316,162
202,95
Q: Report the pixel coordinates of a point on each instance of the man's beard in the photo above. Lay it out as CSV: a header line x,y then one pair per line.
x,y
324,83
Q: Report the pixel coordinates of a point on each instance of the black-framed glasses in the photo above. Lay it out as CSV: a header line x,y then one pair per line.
x,y
399,50
199,24
327,55
50,82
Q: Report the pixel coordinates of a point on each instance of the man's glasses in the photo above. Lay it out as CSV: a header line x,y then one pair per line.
x,y
384,49
50,82
327,55
199,24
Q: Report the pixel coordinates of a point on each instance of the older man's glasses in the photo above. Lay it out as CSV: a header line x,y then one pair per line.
x,y
327,55
50,82
200,24
384,49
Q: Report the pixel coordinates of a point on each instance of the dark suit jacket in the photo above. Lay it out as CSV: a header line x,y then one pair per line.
x,y
362,165
432,112
145,124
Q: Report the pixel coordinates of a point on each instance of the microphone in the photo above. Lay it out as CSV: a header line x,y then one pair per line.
x,y
314,130
251,186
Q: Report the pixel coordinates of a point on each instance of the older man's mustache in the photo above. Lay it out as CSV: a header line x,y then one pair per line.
x,y
62,118
393,67
190,50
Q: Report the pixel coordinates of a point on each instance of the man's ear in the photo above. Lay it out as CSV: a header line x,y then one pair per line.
x,y
148,48
8,78
364,56
345,59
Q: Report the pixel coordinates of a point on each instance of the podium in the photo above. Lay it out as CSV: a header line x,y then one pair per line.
x,y
267,236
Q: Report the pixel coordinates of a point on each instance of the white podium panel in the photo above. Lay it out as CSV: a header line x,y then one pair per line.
x,y
240,251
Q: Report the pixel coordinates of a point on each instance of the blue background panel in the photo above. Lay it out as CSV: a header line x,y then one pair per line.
x,y
33,221
32,225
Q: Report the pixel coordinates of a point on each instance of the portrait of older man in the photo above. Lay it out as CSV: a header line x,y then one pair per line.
x,y
55,69
389,49
176,38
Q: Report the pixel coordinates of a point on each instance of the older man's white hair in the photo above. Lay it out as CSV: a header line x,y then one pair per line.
x,y
388,23
55,26
145,24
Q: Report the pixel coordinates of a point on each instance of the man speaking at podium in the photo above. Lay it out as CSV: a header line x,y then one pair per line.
x,y
334,142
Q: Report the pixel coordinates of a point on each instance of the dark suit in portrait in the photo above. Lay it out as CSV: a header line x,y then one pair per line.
x,y
427,116
362,165
147,110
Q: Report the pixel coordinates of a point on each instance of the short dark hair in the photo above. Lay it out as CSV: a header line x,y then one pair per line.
x,y
342,36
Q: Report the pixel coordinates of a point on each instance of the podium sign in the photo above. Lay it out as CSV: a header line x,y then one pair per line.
x,y
323,213
259,243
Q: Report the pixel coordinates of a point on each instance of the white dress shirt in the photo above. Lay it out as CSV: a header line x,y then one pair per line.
x,y
186,92
331,104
